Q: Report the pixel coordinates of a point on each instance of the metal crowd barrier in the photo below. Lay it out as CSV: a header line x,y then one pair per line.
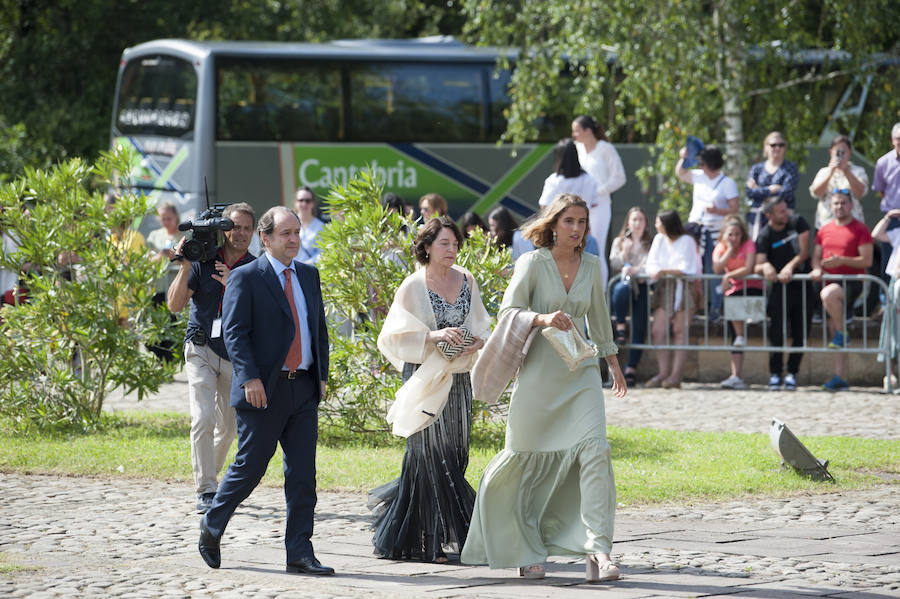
x,y
753,310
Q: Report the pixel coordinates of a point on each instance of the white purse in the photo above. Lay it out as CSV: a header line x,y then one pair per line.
x,y
571,345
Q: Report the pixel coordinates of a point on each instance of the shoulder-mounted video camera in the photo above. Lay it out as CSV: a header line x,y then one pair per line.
x,y
206,234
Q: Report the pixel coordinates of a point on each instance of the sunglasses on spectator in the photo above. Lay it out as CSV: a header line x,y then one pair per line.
x,y
305,200
844,191
777,144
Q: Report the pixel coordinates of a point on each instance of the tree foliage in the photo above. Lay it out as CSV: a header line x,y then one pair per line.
x,y
80,333
723,70
366,253
58,60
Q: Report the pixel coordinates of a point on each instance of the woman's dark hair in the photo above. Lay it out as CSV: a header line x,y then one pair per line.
x,y
711,156
567,163
506,226
429,232
671,222
587,122
841,139
391,201
471,219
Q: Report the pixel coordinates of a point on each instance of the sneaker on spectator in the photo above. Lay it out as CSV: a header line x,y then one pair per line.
x,y
774,382
836,384
790,382
733,382
838,342
884,382
817,317
739,341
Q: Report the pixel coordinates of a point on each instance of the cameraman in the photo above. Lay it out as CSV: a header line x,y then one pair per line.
x,y
208,367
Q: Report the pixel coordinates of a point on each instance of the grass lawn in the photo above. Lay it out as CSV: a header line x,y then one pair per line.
x,y
651,466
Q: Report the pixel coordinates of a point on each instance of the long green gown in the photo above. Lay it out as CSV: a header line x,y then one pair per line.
x,y
551,490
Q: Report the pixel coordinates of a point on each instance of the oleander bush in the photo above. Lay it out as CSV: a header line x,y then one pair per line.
x,y
366,253
88,314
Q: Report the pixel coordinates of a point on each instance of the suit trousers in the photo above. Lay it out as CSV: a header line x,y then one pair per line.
x,y
290,418
212,417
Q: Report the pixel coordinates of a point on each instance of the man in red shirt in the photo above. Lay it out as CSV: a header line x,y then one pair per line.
x,y
843,247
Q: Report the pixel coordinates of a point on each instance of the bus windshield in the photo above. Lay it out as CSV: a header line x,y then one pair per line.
x,y
157,97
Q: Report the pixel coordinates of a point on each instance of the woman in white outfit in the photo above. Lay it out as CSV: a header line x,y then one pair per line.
x,y
600,159
568,177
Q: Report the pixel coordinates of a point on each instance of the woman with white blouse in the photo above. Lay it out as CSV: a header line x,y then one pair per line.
x,y
675,253
599,158
839,174
568,177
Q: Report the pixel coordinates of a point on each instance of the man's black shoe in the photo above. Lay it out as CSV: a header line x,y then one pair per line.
x,y
204,502
308,565
209,546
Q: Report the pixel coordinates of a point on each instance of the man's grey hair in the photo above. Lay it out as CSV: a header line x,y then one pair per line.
x,y
240,207
267,221
895,130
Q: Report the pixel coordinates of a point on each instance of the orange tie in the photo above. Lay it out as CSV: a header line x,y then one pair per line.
x,y
295,354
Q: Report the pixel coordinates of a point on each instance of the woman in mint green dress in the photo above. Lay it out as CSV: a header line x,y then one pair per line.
x,y
551,490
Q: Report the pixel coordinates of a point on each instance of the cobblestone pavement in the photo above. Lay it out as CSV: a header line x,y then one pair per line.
x,y
83,537
78,537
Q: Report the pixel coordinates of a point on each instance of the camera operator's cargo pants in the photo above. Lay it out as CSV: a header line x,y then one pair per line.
x,y
213,425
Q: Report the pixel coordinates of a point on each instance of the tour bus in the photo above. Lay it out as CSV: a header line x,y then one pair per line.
x,y
258,120
254,121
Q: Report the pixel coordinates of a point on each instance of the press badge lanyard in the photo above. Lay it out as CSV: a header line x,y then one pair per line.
x,y
216,330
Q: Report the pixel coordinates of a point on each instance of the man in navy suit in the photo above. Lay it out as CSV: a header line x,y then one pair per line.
x,y
275,333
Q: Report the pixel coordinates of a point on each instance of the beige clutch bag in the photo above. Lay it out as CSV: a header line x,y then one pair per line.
x,y
571,345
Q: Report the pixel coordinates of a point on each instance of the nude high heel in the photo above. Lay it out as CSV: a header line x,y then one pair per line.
x,y
533,572
597,571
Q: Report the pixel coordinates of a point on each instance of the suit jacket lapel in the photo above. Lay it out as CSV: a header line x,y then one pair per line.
x,y
275,286
306,284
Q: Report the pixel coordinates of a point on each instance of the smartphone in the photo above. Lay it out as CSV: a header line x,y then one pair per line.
x,y
628,234
840,154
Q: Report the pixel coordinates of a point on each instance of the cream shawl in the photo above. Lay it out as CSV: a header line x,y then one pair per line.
x,y
402,339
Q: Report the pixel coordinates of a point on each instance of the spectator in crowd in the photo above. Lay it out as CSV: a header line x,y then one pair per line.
x,y
505,231
471,221
569,177
628,255
391,201
432,205
773,177
673,252
430,505
162,242
782,251
886,182
885,233
843,247
839,174
601,161
8,278
734,257
207,364
307,210
715,197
